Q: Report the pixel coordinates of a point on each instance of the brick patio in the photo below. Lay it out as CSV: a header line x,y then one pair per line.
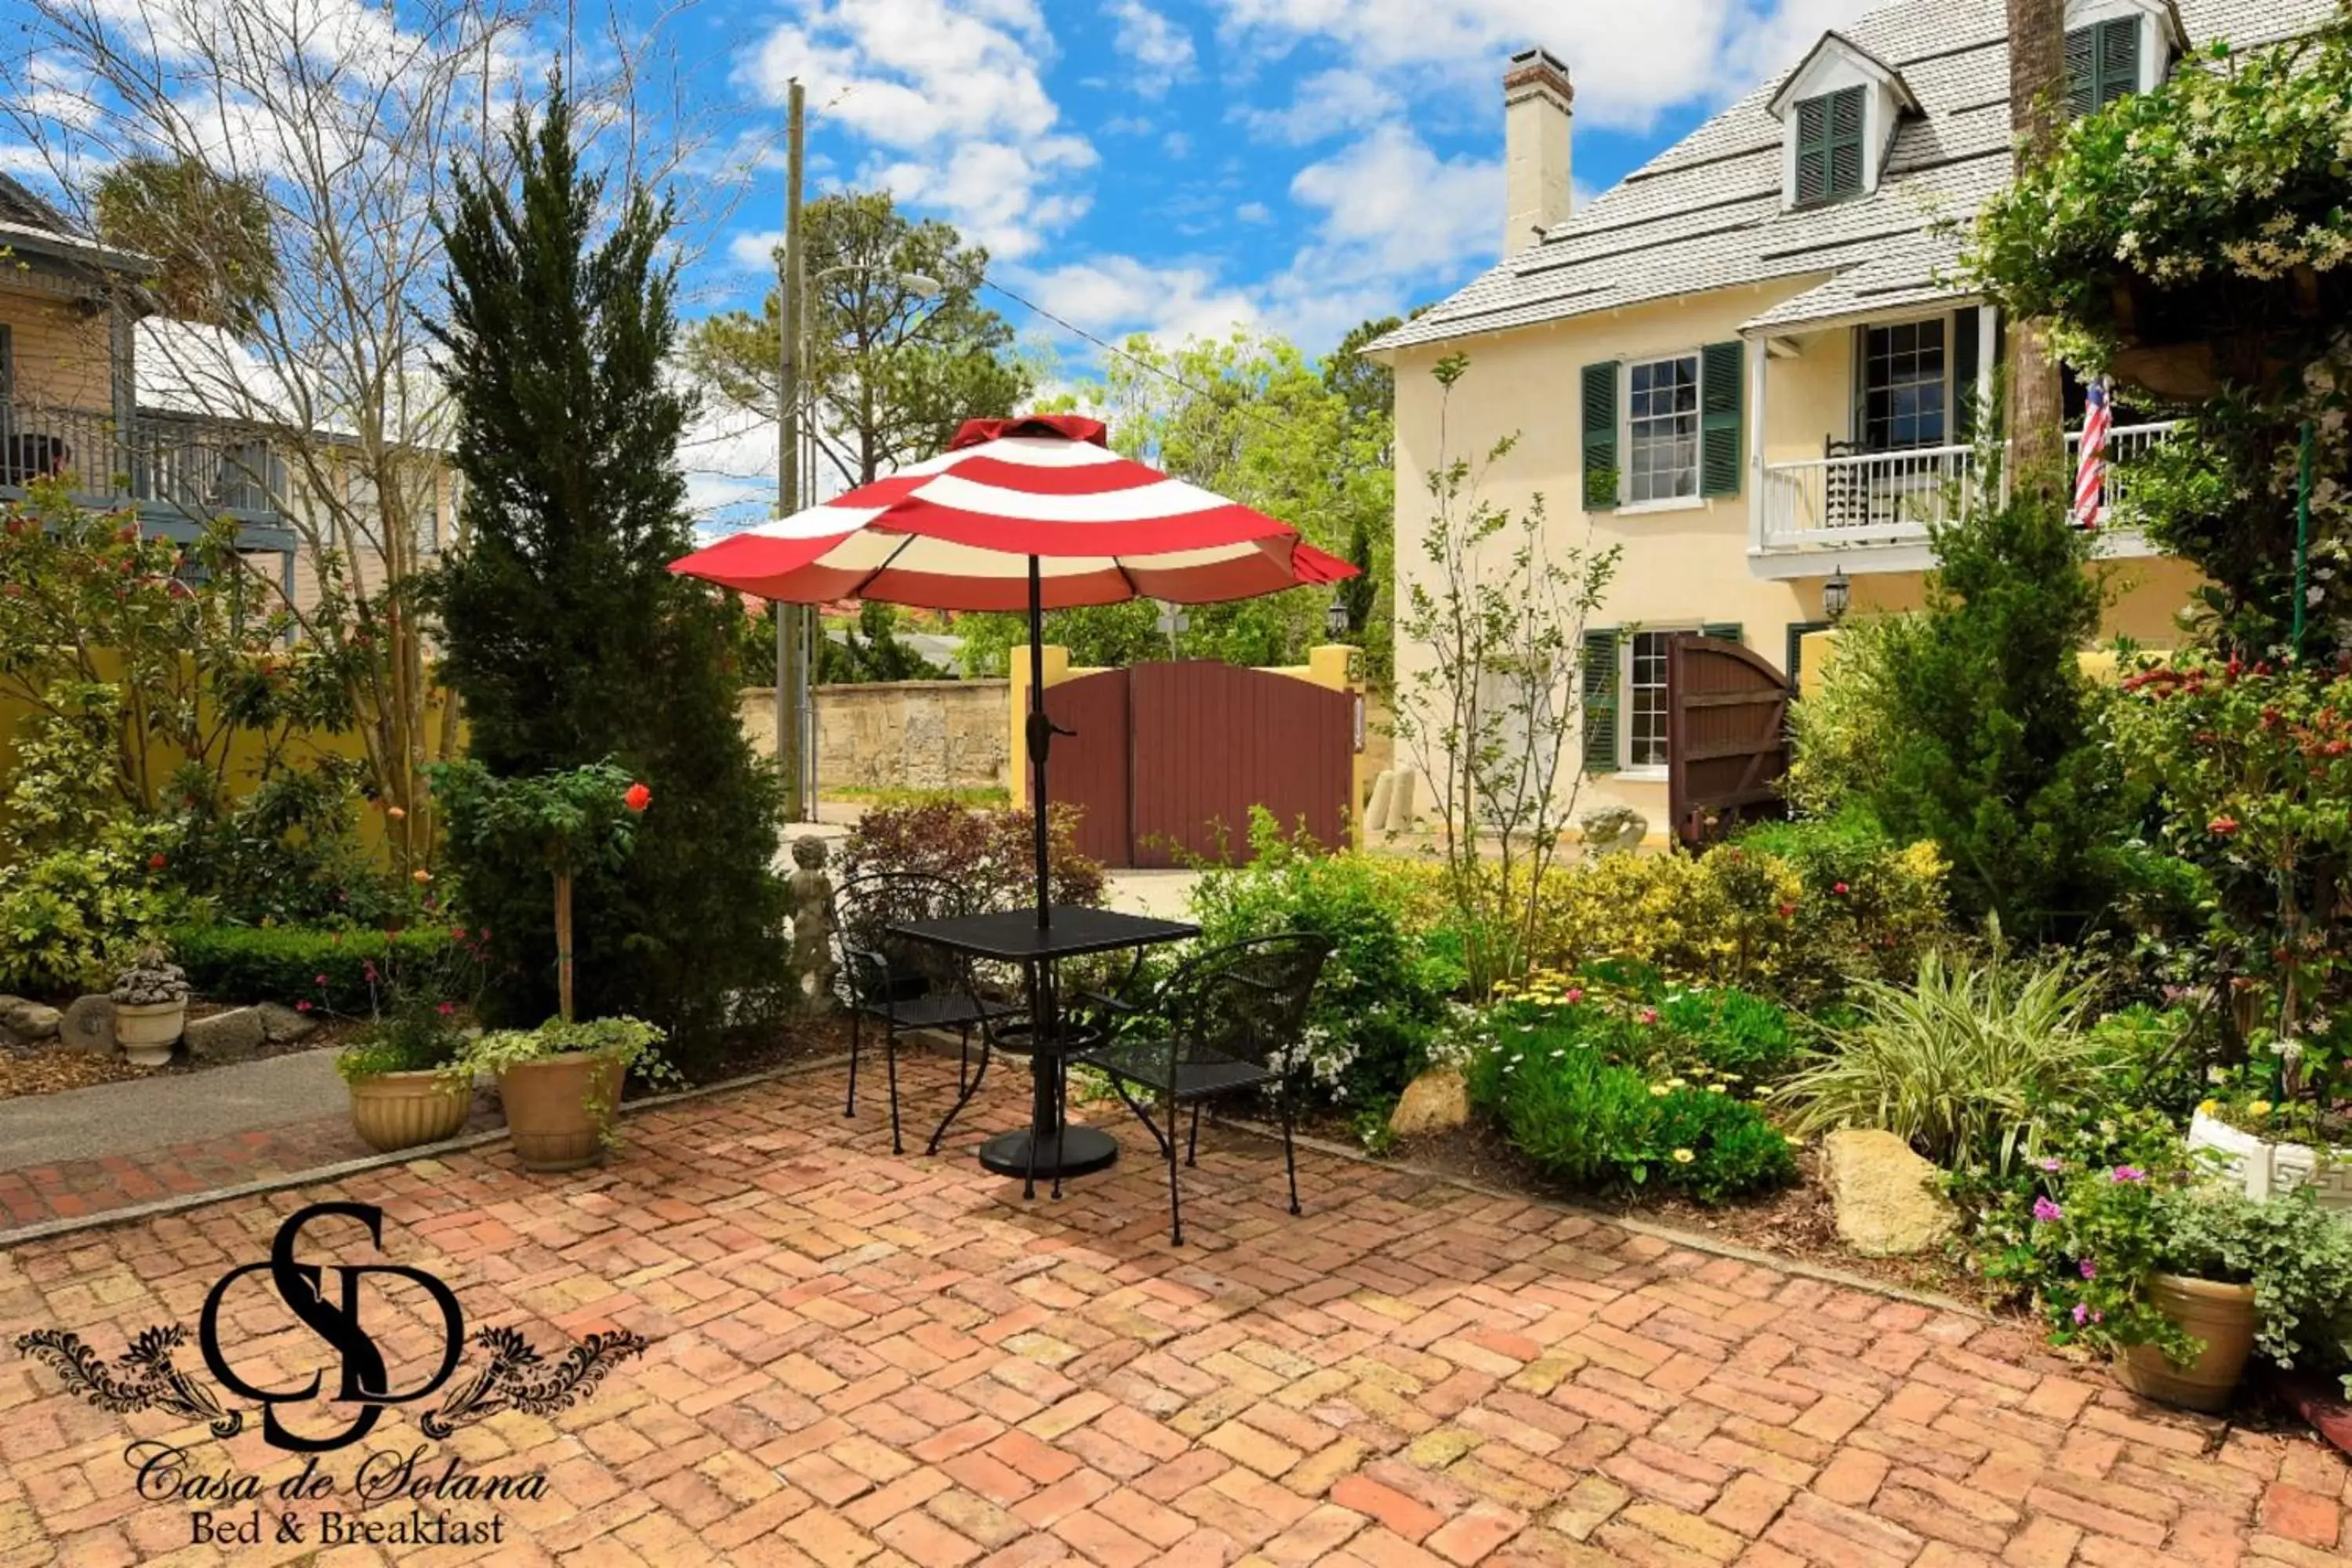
x,y
868,1360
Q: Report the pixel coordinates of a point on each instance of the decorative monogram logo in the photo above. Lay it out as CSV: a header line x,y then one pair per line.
x,y
514,1377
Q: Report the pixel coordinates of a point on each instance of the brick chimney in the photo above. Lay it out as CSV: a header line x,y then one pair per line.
x,y
1537,109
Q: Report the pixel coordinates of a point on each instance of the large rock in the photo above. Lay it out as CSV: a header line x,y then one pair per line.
x,y
281,1024
89,1025
28,1020
1884,1195
1436,1102
230,1036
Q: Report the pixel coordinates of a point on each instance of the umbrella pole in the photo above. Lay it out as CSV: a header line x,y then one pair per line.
x,y
1040,731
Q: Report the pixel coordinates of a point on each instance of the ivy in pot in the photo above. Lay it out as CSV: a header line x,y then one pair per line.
x,y
562,1083
2185,1277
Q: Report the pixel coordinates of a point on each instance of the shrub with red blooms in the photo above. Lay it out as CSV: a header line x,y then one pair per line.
x,y
2251,768
989,853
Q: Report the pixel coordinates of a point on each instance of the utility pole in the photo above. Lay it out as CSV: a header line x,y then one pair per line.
x,y
792,636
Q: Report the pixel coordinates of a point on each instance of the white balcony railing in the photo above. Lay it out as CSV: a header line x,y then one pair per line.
x,y
1898,498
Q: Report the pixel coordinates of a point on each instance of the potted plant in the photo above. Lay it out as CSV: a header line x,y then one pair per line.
x,y
150,1008
2185,1277
396,1064
560,1083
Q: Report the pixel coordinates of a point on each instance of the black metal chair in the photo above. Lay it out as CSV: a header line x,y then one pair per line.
x,y
902,984
1229,1020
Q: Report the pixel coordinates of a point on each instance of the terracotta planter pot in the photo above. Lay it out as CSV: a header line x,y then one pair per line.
x,y
401,1110
148,1031
2221,1315
547,1109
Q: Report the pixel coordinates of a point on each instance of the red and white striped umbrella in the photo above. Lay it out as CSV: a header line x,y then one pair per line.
x,y
960,532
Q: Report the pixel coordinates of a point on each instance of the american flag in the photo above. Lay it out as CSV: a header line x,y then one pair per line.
x,y
2091,470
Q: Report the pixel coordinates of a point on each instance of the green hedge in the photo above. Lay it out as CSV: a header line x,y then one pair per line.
x,y
296,963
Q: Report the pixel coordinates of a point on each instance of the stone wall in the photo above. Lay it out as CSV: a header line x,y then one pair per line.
x,y
906,734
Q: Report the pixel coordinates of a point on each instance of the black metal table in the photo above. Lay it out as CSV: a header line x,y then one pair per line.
x,y
1047,1147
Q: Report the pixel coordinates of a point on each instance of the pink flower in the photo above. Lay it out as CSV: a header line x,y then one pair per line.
x,y
1575,993
2084,1314
446,1008
2127,1173
2090,1269
2047,1212
319,979
2053,1164
1649,1015
1839,887
302,1007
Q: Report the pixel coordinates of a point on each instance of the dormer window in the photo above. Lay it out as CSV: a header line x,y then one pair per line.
x,y
1829,146
2114,48
1841,108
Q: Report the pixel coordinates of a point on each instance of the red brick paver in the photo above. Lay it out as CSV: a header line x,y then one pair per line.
x,y
863,1359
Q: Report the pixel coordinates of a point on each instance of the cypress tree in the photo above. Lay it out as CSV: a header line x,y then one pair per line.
x,y
565,634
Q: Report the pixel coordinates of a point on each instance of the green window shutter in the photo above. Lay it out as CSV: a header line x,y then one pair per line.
x,y
1965,362
1845,141
1723,631
2081,72
1812,151
1600,474
1600,701
2118,59
1722,385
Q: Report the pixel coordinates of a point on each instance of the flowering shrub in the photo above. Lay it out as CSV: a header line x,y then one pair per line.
x,y
2251,765
420,1000
989,853
1553,1074
1792,910
1384,990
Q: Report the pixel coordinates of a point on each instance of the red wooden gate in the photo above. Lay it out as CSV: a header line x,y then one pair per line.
x,y
1213,739
1089,768
1168,759
1727,737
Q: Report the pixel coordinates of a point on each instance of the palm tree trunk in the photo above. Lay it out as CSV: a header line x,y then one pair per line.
x,y
2037,108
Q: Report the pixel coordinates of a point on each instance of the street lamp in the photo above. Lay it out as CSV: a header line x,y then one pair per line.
x,y
1836,594
1336,618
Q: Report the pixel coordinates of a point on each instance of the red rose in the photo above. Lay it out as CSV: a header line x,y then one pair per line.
x,y
301,1006
1787,911
639,797
156,862
1839,888
2224,826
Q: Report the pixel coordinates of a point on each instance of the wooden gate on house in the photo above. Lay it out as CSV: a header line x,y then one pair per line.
x,y
1727,737
1168,759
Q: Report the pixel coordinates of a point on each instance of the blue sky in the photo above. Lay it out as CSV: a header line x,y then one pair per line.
x,y
1179,166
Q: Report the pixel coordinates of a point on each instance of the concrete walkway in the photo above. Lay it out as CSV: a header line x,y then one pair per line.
x,y
143,1114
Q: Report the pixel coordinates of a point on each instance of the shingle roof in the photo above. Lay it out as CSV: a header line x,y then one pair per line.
x,y
1705,214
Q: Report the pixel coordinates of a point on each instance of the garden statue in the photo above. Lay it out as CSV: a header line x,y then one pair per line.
x,y
1611,830
809,893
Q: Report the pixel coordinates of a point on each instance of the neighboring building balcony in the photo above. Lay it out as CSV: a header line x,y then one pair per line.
x,y
1875,510
178,472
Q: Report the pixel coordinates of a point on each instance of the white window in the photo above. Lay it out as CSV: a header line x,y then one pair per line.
x,y
1662,429
1645,699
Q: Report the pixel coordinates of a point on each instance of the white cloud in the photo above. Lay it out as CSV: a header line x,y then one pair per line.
x,y
1253,211
1628,61
1112,296
1177,146
1156,52
1392,208
1327,103
953,94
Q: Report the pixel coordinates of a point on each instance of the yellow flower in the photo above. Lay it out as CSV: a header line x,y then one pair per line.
x,y
1676,1082
1683,1156
1715,1088
1661,1091
1793,1140
2258,1108
2209,1107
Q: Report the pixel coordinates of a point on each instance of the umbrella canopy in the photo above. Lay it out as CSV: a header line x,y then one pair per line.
x,y
1010,497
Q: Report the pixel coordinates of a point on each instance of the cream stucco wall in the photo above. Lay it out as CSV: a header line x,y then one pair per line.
x,y
1686,564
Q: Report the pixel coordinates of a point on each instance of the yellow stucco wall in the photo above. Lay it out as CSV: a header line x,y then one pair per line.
x,y
1688,564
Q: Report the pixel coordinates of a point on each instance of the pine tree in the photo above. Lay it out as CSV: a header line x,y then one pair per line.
x,y
566,636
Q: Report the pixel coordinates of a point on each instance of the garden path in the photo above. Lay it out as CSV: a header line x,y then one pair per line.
x,y
860,1359
139,1114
